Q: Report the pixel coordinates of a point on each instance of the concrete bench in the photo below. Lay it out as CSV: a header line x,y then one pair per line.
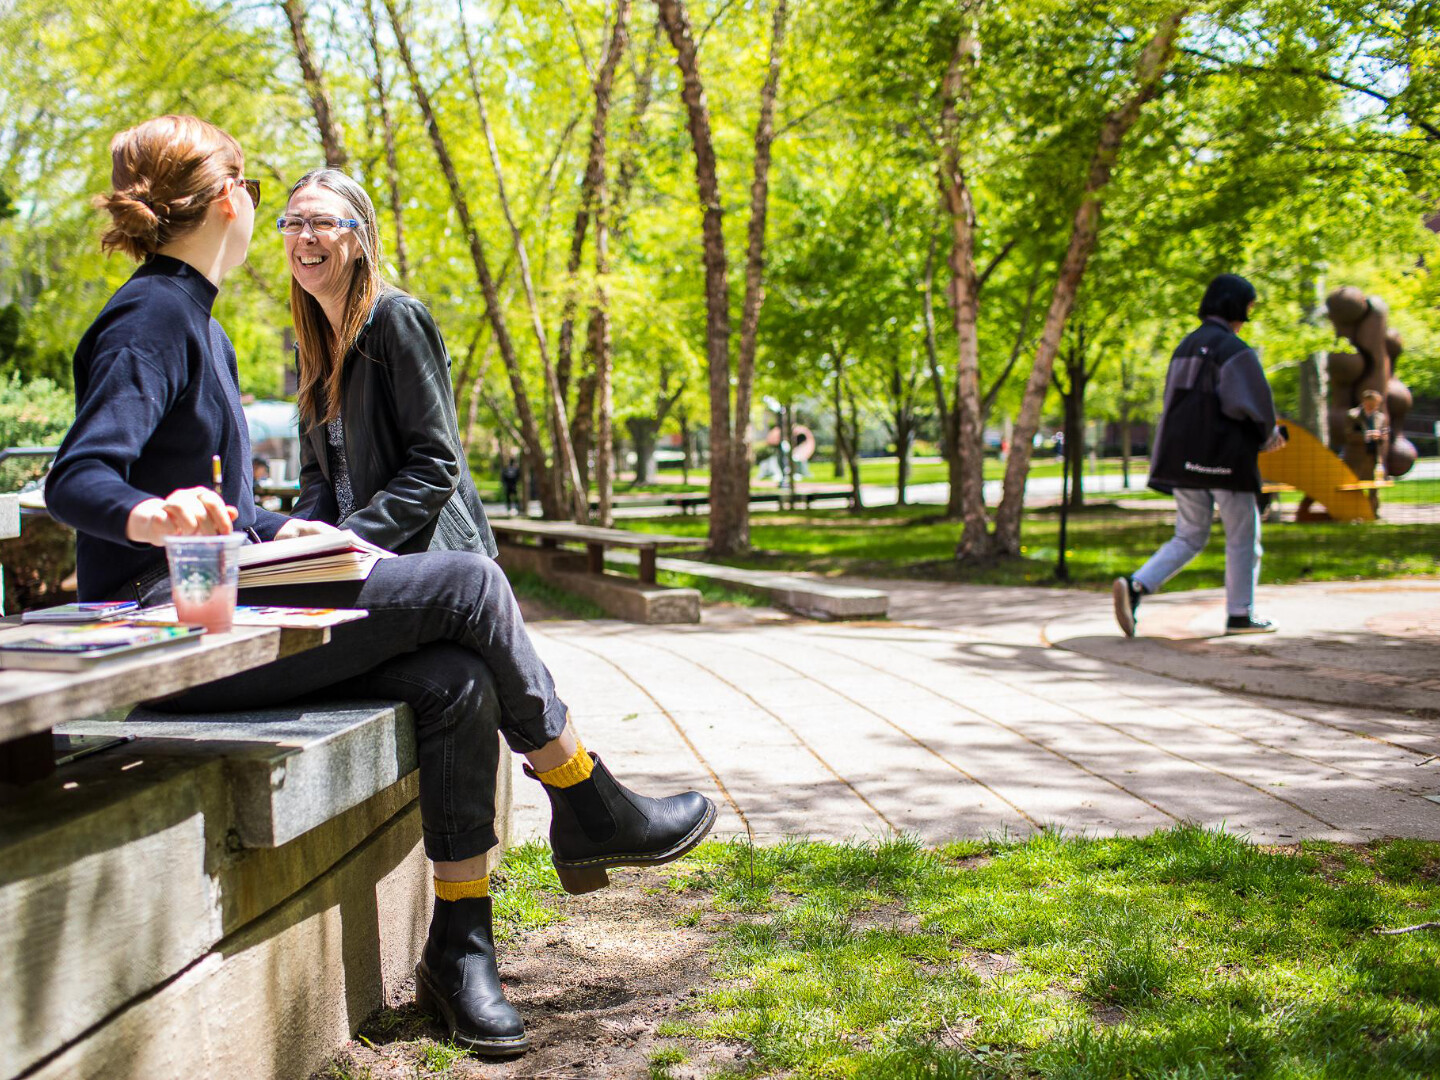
x,y
534,546
226,895
812,597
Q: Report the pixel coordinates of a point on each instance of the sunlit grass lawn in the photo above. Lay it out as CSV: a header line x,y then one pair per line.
x,y
1101,543
1187,954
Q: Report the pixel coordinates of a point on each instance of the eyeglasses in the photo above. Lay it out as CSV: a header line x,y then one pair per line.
x,y
252,188
322,224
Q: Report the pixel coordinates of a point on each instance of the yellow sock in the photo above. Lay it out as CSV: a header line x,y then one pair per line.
x,y
578,768
463,890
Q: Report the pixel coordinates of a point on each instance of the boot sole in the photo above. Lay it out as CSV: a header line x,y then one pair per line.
x,y
587,875
432,1002
1250,630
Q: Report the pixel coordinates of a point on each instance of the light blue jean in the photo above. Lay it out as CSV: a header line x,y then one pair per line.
x,y
1194,508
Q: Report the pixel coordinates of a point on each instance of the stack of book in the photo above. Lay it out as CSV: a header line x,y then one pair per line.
x,y
79,648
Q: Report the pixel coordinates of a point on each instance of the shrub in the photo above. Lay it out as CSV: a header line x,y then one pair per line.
x,y
36,412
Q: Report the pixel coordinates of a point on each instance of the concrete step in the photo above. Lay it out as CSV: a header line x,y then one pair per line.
x,y
130,880
809,596
290,769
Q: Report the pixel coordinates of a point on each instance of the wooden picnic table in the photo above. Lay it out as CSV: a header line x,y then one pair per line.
x,y
596,540
34,702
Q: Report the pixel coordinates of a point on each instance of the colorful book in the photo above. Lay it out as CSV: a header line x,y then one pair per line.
x,y
78,648
97,611
290,618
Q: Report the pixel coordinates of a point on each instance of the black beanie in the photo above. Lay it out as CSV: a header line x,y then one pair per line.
x,y
1229,297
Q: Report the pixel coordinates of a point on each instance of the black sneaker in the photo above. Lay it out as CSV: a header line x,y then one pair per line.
x,y
1248,624
1127,604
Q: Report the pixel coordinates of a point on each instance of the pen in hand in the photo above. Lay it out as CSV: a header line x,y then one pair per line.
x,y
217,478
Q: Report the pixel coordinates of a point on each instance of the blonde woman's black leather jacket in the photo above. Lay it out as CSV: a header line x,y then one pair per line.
x,y
411,483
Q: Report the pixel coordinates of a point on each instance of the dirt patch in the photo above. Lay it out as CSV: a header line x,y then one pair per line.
x,y
989,965
593,990
893,917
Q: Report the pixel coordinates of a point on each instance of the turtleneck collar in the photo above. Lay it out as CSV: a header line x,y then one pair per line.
x,y
195,284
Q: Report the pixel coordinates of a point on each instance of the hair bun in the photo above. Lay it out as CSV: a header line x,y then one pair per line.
x,y
134,214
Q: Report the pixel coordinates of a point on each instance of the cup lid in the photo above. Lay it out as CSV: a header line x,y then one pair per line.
x,y
227,540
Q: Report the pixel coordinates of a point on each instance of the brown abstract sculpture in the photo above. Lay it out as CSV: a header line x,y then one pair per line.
x,y
1361,320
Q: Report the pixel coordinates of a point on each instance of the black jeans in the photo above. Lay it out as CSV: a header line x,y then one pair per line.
x,y
444,635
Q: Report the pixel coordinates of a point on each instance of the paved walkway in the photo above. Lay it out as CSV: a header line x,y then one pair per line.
x,y
978,711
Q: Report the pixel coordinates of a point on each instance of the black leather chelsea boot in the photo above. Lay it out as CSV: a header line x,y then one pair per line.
x,y
457,981
599,823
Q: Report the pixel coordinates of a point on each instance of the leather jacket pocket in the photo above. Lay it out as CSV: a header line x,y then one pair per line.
x,y
454,529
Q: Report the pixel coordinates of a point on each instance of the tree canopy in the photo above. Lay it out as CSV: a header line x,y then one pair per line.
x,y
860,162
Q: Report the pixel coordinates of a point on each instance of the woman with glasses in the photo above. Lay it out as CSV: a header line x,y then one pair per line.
x,y
157,395
380,447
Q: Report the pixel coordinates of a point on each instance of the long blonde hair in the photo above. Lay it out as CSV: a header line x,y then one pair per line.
x,y
164,173
322,351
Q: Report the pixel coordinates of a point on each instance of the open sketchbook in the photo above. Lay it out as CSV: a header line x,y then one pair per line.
x,y
303,560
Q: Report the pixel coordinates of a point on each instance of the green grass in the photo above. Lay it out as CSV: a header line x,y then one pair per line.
x,y
1410,491
1187,953
1101,543
525,889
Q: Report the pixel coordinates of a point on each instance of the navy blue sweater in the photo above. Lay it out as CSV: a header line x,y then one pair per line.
x,y
157,394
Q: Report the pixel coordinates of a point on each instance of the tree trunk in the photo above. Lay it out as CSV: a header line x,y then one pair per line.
x,y
687,447
643,430
592,180
947,417
1125,388
1072,398
595,173
529,430
857,501
387,132
566,469
964,296
330,140
905,435
1154,62
729,507
582,427
755,274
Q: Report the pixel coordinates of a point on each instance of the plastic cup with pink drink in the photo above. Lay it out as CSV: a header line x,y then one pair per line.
x,y
205,578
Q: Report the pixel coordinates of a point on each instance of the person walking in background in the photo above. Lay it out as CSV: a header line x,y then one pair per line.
x,y
1218,417
510,481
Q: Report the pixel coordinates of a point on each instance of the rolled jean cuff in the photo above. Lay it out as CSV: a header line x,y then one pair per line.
x,y
531,735
453,847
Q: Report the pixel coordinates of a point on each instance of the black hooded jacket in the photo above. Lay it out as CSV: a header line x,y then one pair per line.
x,y
411,483
1223,452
